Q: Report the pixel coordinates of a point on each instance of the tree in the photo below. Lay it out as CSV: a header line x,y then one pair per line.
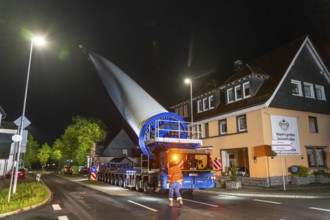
x,y
32,148
44,154
79,138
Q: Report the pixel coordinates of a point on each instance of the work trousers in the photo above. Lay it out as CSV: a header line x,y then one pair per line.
x,y
174,188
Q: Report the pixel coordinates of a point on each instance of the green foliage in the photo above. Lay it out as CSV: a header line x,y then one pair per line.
x,y
302,172
233,171
79,138
321,173
32,148
27,194
44,154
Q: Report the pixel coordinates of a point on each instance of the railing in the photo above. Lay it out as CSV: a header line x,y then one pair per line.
x,y
174,129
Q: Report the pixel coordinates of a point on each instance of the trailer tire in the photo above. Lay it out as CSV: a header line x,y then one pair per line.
x,y
146,188
112,180
137,186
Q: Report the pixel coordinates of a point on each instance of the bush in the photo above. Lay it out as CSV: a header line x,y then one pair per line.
x,y
302,172
233,171
321,173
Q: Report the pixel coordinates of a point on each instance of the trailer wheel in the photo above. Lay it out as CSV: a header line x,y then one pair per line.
x,y
121,183
146,188
112,180
137,185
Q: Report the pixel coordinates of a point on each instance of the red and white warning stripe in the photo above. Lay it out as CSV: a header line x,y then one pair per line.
x,y
93,176
217,165
180,164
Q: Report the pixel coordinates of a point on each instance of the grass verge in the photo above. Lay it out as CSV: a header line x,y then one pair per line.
x,y
27,194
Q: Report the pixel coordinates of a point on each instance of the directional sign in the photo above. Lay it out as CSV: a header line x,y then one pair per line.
x,y
281,148
281,142
93,169
26,122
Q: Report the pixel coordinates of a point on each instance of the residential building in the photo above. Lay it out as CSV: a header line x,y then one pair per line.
x,y
270,114
120,147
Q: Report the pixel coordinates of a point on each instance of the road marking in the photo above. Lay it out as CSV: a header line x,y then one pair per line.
x,y
259,200
201,203
56,207
326,210
64,217
154,210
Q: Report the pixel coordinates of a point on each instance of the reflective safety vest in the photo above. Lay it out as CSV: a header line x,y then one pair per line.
x,y
174,174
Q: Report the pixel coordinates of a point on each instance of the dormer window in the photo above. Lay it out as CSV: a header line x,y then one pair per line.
x,y
230,95
205,104
246,90
241,91
238,92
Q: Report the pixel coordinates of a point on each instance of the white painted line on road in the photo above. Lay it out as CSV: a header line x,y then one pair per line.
x,y
56,207
326,210
63,217
259,200
203,203
154,210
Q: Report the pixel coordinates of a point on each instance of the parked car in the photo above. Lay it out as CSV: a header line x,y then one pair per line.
x,y
83,170
67,170
21,173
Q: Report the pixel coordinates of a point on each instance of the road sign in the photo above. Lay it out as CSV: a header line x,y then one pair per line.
x,y
93,169
8,131
17,137
281,142
26,122
281,148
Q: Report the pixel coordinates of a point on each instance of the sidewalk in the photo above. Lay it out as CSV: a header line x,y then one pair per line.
x,y
291,191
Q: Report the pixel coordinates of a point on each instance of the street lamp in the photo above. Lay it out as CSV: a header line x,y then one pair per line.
x,y
34,41
189,81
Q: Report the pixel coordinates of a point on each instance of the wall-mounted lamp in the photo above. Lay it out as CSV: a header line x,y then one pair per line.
x,y
255,159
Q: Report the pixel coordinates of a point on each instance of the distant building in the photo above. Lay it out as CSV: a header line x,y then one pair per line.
x,y
121,146
278,101
6,144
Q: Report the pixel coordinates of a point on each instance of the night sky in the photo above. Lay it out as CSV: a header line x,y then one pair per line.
x,y
157,43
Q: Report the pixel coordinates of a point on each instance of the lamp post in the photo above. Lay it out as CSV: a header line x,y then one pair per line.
x,y
189,81
36,41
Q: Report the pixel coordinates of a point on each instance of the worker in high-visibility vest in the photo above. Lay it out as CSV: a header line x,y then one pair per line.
x,y
174,179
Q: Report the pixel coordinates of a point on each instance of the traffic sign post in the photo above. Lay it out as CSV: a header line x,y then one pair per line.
x,y
282,145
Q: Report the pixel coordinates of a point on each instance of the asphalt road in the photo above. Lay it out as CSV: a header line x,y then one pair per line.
x,y
72,200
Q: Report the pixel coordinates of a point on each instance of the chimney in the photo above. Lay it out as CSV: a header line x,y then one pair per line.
x,y
238,64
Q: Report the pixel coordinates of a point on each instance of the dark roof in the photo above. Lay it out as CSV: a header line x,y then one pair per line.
x,y
273,66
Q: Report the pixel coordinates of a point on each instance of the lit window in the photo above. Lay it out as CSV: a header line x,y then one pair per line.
x,y
308,90
315,157
205,104
222,127
241,123
313,124
230,95
199,106
238,92
319,92
296,87
246,90
211,101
